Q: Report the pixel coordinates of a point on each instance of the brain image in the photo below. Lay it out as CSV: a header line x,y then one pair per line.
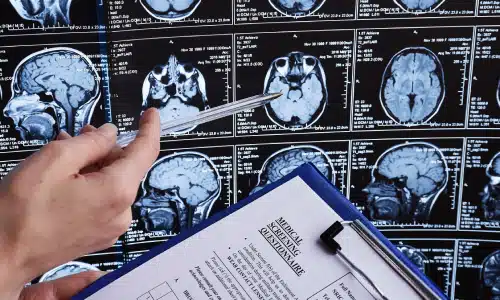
x,y
419,6
177,89
498,93
178,192
297,8
288,159
413,86
45,12
52,90
71,268
415,256
301,79
170,10
490,274
490,196
406,181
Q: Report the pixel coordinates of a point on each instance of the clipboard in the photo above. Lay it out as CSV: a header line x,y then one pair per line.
x,y
401,265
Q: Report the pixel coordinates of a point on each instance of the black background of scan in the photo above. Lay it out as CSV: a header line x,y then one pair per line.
x,y
289,25
447,8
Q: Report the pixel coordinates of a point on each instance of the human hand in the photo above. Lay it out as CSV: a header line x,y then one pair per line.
x,y
71,198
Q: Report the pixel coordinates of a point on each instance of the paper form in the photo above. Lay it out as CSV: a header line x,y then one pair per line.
x,y
269,249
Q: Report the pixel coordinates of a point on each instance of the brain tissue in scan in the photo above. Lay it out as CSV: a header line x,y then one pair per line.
x,y
177,89
490,275
286,160
45,12
297,8
70,268
170,10
301,79
52,90
490,196
178,192
418,6
415,256
406,181
413,87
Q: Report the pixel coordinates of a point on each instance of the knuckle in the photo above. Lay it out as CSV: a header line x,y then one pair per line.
x,y
97,139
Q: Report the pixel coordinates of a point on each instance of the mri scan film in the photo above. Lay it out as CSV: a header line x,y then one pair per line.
x,y
288,159
490,274
52,90
490,197
70,268
301,79
45,12
380,9
419,6
413,86
177,89
415,256
178,192
406,181
297,8
170,10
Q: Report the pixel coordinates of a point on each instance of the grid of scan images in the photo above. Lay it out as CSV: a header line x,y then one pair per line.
x,y
397,103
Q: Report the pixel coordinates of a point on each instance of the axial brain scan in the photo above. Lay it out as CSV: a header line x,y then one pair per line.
x,y
71,268
170,10
406,181
178,192
297,8
490,197
415,256
45,12
177,89
412,89
54,89
302,81
490,274
419,6
286,160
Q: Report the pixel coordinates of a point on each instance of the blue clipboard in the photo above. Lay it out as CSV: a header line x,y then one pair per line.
x,y
326,191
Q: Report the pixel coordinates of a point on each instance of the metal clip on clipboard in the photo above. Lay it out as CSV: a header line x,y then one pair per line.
x,y
328,237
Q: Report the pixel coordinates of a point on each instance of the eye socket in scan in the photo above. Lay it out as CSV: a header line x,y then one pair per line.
x,y
413,87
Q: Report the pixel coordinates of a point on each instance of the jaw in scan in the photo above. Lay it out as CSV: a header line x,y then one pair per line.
x,y
490,275
419,6
301,79
178,192
413,87
406,181
297,8
70,268
490,197
52,90
170,10
45,12
415,256
286,160
177,89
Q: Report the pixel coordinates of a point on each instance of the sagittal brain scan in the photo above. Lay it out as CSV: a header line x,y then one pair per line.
x,y
415,256
286,160
70,268
52,90
490,197
406,181
419,6
413,86
45,12
301,79
178,192
170,10
297,8
490,274
177,89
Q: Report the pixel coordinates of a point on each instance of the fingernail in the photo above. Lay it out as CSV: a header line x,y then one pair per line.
x,y
108,129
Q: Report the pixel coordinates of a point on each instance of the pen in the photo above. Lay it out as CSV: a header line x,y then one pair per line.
x,y
205,116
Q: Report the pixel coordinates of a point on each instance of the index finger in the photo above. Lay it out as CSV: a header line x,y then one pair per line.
x,y
139,156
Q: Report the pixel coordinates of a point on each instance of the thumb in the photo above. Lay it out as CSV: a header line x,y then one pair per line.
x,y
62,288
